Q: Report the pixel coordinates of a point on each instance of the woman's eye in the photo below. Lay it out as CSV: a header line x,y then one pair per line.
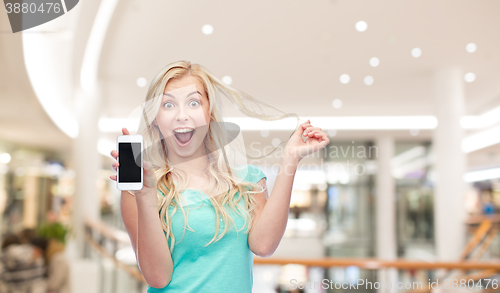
x,y
168,103
194,103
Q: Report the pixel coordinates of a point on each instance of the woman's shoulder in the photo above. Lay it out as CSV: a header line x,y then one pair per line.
x,y
253,173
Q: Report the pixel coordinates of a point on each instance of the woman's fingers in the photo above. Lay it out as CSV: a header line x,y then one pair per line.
x,y
310,129
114,154
115,165
315,133
147,165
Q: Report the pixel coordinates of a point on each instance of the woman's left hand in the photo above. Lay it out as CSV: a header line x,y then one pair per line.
x,y
298,148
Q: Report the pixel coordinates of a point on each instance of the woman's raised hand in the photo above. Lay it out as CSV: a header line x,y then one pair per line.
x,y
298,148
148,172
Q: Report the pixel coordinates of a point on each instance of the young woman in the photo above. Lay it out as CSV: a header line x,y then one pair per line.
x,y
191,192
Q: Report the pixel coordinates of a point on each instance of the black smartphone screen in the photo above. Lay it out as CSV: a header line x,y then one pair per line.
x,y
129,170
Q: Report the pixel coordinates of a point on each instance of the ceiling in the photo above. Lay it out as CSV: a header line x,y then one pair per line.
x,y
287,53
292,53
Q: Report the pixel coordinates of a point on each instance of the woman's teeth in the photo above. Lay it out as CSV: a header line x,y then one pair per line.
x,y
183,130
183,135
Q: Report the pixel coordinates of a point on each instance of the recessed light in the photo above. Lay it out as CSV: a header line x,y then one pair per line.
x,y
416,52
414,132
264,133
275,142
344,78
374,62
368,80
469,77
471,47
332,132
142,82
361,26
207,29
337,103
5,158
227,80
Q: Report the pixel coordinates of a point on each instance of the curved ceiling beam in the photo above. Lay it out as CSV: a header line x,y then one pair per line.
x,y
45,69
45,54
90,64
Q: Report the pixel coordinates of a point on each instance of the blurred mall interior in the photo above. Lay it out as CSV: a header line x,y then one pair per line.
x,y
408,190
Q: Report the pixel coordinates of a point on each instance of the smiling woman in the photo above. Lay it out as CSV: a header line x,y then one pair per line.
x,y
183,117
193,188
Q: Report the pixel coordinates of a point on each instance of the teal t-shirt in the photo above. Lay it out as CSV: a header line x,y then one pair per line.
x,y
224,266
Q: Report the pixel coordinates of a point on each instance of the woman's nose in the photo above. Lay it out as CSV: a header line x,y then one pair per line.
x,y
182,114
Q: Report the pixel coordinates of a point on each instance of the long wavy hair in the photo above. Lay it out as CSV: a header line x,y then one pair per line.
x,y
224,184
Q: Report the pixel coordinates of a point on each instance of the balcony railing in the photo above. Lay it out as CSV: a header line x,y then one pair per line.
x,y
99,236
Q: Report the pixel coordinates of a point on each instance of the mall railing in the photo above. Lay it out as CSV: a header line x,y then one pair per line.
x,y
101,237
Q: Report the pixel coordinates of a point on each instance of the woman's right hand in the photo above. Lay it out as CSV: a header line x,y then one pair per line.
x,y
149,186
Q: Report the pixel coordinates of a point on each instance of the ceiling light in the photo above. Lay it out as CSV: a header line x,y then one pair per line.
x,y
482,175
341,123
345,78
275,142
337,103
481,121
374,62
207,29
361,26
481,140
469,77
471,47
5,158
368,80
227,80
416,52
114,125
142,82
264,133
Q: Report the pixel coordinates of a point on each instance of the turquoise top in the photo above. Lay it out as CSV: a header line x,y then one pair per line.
x,y
224,266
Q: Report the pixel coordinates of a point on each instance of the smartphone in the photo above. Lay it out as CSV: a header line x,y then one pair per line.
x,y
129,175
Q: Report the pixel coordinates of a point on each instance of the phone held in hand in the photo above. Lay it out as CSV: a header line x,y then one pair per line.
x,y
129,175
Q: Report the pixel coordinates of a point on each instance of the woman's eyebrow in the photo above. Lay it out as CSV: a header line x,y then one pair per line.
x,y
167,94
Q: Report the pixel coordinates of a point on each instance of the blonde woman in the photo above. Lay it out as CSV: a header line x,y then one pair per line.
x,y
191,192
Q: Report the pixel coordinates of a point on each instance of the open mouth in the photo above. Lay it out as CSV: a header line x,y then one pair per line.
x,y
184,136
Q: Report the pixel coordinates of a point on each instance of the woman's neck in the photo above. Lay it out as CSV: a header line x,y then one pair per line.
x,y
196,164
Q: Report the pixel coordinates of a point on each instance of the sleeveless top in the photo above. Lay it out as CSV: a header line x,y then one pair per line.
x,y
224,266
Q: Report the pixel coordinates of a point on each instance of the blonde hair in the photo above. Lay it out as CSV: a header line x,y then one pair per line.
x,y
222,178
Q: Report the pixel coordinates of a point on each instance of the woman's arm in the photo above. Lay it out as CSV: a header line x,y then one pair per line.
x,y
128,209
143,225
271,215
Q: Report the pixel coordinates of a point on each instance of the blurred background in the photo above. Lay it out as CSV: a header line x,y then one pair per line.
x,y
407,191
